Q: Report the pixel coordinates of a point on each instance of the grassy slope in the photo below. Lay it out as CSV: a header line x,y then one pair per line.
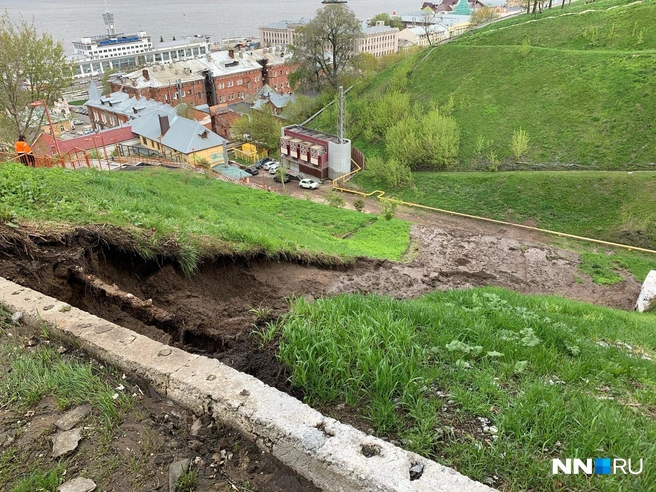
x,y
205,216
584,100
611,206
556,378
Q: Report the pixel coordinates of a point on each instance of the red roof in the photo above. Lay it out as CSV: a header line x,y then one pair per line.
x,y
45,144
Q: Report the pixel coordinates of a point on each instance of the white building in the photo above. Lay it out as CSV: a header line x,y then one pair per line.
x,y
97,54
378,40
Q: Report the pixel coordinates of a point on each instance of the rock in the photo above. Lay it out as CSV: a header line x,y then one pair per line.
x,y
65,442
313,439
196,427
73,417
175,472
647,297
416,471
17,316
78,484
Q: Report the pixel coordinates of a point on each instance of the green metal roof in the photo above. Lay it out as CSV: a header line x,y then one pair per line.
x,y
462,8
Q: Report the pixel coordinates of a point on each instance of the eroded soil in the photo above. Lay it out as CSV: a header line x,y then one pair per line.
x,y
214,312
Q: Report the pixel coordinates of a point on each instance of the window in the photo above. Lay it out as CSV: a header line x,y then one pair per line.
x,y
231,96
230,83
220,85
222,99
240,82
61,128
198,95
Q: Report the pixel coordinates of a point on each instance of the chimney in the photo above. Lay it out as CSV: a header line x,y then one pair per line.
x,y
231,53
145,74
164,124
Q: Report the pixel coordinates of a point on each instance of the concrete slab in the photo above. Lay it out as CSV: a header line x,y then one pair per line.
x,y
334,456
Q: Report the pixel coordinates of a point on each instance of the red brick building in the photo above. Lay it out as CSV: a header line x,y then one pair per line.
x,y
223,77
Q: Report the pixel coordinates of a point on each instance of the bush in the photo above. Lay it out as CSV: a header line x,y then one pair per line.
x,y
334,199
429,142
359,204
390,173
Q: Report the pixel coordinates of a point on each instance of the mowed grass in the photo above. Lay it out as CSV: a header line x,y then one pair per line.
x,y
590,109
490,382
204,216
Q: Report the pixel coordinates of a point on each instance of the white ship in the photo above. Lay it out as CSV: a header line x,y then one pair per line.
x,y
120,52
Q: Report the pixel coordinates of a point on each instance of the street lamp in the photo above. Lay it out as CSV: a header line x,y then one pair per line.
x,y
44,103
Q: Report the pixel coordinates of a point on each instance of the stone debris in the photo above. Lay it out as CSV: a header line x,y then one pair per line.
x,y
78,484
647,297
196,427
73,417
176,470
65,442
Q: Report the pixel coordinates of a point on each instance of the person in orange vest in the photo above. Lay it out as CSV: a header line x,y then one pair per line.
x,y
24,151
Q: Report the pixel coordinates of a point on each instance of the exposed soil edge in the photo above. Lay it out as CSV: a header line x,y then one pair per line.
x,y
28,236
323,450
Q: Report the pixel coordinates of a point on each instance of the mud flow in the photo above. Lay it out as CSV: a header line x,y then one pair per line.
x,y
215,311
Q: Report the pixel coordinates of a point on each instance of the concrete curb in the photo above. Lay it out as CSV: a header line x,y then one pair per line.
x,y
332,455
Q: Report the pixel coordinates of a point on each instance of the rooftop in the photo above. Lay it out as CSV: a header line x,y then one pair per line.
x,y
313,133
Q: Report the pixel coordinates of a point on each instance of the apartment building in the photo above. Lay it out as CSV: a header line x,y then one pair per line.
x,y
378,40
280,33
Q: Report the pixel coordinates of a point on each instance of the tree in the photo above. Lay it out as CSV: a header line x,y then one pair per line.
x,y
389,21
280,173
428,24
263,126
325,46
185,110
481,16
32,67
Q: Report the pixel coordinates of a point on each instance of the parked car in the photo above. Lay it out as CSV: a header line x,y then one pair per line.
x,y
267,165
259,164
276,178
274,167
252,170
78,122
309,184
295,176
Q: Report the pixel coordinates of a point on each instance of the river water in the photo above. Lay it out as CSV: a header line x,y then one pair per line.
x,y
70,20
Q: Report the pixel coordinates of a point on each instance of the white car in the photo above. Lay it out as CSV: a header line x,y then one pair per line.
x,y
267,165
308,183
274,167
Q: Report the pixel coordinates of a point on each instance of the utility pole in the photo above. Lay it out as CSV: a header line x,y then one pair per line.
x,y
340,120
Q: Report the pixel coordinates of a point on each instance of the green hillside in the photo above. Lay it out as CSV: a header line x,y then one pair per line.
x,y
582,84
191,217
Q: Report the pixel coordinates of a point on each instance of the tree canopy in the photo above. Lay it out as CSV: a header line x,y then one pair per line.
x,y
33,67
387,19
325,46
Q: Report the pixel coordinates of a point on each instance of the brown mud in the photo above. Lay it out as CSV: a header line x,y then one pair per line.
x,y
213,312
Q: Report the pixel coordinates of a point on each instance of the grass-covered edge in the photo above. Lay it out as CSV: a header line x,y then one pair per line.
x,y
540,377
196,216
